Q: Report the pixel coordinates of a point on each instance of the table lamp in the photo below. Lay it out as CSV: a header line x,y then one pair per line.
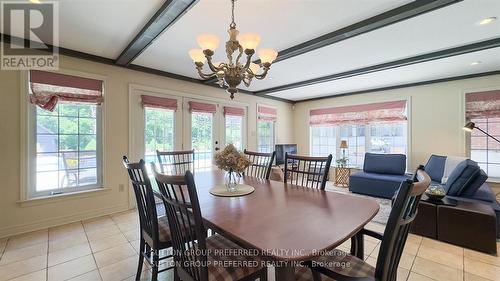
x,y
343,146
471,126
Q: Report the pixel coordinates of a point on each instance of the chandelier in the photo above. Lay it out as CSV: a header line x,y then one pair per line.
x,y
233,72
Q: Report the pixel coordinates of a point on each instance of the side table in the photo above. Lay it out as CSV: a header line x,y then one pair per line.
x,y
342,175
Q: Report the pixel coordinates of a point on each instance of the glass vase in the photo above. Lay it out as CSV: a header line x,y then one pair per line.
x,y
231,180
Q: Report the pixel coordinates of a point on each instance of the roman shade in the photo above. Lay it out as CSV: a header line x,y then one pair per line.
x,y
483,104
234,111
195,106
158,102
49,88
267,113
359,114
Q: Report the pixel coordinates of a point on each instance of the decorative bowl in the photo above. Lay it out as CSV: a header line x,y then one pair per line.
x,y
435,192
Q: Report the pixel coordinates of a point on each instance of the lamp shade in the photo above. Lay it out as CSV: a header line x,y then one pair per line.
x,y
469,126
197,55
208,41
249,40
267,55
254,67
343,144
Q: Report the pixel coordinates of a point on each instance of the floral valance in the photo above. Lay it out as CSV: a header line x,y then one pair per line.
x,y
234,111
195,106
158,102
483,104
267,113
49,88
359,114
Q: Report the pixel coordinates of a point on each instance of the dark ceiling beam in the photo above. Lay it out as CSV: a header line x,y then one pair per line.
x,y
464,49
395,15
423,83
166,16
89,57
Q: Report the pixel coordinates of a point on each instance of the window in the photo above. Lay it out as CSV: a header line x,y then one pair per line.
x,y
265,136
483,108
323,141
377,128
158,132
234,131
67,144
202,139
485,150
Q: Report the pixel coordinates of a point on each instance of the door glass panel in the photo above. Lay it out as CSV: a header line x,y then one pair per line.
x,y
202,139
234,131
158,132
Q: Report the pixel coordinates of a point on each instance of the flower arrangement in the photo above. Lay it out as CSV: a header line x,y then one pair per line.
x,y
231,160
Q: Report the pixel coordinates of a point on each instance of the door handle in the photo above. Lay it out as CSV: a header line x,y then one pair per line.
x,y
217,149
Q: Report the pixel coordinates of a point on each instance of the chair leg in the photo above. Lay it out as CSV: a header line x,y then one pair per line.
x,y
155,265
316,275
141,260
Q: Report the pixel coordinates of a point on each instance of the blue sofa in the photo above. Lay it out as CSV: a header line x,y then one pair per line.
x,y
467,183
381,176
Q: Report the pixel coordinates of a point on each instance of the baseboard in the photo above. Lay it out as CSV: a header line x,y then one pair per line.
x,y
55,221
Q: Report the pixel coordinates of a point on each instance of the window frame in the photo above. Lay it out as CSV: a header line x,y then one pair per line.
x,y
243,128
28,143
174,119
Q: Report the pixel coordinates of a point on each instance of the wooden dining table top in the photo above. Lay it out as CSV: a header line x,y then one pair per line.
x,y
287,222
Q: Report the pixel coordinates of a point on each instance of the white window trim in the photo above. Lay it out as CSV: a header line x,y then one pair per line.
x,y
409,149
27,140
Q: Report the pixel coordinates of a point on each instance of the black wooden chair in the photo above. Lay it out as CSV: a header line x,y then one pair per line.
x,y
198,257
155,233
176,162
307,171
403,212
261,164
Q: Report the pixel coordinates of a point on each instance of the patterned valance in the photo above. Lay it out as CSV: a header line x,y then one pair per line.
x,y
159,102
483,105
234,111
267,113
359,114
195,106
49,88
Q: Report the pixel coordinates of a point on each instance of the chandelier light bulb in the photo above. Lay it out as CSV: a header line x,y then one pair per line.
x,y
254,67
208,41
249,40
197,55
267,55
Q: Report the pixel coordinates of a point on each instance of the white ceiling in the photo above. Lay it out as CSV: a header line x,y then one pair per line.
x,y
281,24
105,27
102,27
437,69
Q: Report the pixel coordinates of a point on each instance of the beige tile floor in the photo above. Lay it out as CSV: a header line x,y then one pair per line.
x,y
105,249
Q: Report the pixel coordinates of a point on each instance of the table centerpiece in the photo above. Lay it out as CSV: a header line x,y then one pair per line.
x,y
234,163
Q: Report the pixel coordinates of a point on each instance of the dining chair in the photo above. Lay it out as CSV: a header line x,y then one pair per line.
x,y
196,256
261,164
155,233
403,212
176,162
307,171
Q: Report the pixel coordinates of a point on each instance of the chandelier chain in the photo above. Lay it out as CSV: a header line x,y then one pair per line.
x,y
233,24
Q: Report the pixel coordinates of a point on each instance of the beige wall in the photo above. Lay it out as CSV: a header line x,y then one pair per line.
x,y
16,217
436,115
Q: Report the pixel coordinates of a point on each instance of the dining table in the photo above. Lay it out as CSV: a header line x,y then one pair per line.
x,y
288,223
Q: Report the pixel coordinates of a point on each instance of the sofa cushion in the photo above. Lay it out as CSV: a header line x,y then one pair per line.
x,y
435,167
473,187
379,185
392,164
462,176
484,193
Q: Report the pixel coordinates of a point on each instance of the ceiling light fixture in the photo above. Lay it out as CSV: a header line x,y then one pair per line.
x,y
233,72
486,21
35,1
475,63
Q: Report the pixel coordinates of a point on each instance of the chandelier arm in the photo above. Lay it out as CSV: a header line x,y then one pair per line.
x,y
263,74
203,75
211,65
247,81
240,49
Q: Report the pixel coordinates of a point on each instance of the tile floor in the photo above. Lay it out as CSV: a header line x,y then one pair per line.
x,y
105,249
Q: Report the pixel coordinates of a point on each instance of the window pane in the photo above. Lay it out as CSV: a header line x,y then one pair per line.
x,y
158,132
323,141
484,149
202,139
61,135
234,131
265,137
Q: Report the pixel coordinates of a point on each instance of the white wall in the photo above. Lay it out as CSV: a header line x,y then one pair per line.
x,y
437,115
17,217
